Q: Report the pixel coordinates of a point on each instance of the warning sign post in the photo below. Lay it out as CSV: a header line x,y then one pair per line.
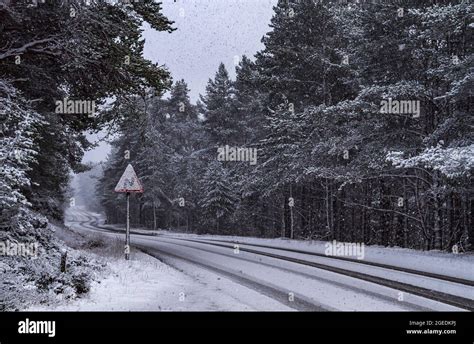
x,y
128,183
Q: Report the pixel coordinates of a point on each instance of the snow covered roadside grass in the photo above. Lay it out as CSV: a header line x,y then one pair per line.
x,y
37,279
117,285
133,285
146,284
459,265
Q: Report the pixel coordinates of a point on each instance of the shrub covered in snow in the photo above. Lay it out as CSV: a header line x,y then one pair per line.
x,y
28,280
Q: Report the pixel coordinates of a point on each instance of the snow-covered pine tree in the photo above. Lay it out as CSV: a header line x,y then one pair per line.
x,y
217,200
303,58
220,115
18,151
409,54
62,56
250,102
185,135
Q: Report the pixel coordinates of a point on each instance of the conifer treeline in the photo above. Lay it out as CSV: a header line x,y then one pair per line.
x,y
330,164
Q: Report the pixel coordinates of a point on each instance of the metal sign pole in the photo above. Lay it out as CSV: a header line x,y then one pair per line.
x,y
127,234
128,183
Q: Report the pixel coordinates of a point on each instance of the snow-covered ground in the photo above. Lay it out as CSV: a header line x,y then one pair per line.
x,y
456,265
146,284
38,279
460,265
199,276
324,289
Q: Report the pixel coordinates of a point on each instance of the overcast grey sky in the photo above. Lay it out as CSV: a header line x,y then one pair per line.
x,y
208,32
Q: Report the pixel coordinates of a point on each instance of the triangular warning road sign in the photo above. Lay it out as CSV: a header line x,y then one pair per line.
x,y
129,181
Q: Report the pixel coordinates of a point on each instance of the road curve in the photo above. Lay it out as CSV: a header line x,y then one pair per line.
x,y
293,278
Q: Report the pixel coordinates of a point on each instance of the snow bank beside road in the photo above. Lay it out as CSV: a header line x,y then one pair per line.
x,y
146,284
459,265
134,285
37,279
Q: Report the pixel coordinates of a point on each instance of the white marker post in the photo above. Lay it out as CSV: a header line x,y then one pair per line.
x,y
128,183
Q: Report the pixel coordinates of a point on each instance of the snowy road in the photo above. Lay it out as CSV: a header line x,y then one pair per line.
x,y
294,280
